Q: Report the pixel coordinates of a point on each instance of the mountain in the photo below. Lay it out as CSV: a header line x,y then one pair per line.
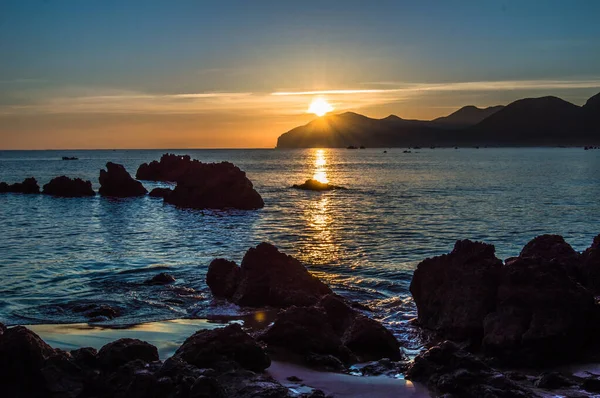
x,y
545,121
466,116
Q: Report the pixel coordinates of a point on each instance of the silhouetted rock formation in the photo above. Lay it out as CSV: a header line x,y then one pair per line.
x,y
546,121
314,185
117,182
590,266
119,352
28,186
331,328
96,312
532,310
160,192
160,279
266,277
169,169
67,187
214,186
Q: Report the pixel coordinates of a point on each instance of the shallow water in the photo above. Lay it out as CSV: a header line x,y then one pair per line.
x,y
364,241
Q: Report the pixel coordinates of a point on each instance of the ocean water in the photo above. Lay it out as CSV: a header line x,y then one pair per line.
x,y
364,241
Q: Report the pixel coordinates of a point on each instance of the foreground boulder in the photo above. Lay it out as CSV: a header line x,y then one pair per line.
x,y
209,348
215,186
67,187
315,185
160,192
446,369
542,315
122,351
266,277
590,266
28,186
332,328
169,169
116,181
454,292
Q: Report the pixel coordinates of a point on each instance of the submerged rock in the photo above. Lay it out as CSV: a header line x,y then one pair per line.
x,y
160,279
126,350
67,187
454,292
266,277
208,348
97,312
169,169
315,185
28,186
160,192
117,182
214,186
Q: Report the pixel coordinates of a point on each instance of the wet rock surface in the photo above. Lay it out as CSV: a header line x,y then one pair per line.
x,y
160,192
160,279
266,277
590,266
315,185
28,186
214,186
68,187
115,181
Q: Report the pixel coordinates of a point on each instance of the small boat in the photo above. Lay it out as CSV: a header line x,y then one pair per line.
x,y
69,158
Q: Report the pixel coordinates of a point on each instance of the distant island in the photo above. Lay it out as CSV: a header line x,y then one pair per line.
x,y
545,121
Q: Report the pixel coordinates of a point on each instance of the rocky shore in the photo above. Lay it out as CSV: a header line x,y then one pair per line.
x,y
491,328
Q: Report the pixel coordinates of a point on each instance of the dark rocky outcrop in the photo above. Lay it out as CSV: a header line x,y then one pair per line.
x,y
266,277
28,186
331,328
314,185
208,348
590,266
96,312
446,369
160,192
122,351
67,187
454,292
169,169
160,279
116,181
222,277
214,186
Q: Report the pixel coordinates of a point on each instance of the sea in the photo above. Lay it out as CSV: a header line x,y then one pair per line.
x,y
364,241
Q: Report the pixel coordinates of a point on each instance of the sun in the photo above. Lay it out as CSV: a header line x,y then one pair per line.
x,y
319,106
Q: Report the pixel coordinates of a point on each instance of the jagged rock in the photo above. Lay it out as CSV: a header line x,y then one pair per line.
x,y
315,185
541,314
22,356
207,387
67,187
63,377
590,266
549,247
160,279
86,357
28,186
160,192
214,186
552,381
268,277
222,277
170,168
446,369
454,292
122,351
2,329
117,182
209,347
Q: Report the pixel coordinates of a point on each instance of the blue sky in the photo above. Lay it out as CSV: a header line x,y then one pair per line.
x,y
128,72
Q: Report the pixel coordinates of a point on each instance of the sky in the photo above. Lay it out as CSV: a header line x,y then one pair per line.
x,y
237,74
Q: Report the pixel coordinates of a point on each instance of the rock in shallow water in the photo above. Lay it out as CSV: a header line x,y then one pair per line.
x,y
222,277
28,186
160,192
160,279
169,169
315,185
67,187
116,181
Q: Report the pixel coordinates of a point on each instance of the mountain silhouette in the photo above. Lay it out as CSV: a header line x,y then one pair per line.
x,y
545,121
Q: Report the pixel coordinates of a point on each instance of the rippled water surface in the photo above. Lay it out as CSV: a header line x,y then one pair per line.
x,y
364,241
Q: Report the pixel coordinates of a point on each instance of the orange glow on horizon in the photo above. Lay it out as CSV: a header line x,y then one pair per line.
x,y
319,106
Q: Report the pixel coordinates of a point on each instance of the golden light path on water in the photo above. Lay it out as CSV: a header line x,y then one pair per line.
x,y
320,173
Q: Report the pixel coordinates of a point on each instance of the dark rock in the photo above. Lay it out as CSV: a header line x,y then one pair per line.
x,y
549,247
552,381
98,311
446,369
268,277
208,347
160,279
28,186
85,357
117,182
541,314
170,168
122,351
246,384
591,384
315,185
590,266
207,387
327,363
222,277
67,187
22,355
62,375
160,192
2,329
454,292
384,367
294,379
